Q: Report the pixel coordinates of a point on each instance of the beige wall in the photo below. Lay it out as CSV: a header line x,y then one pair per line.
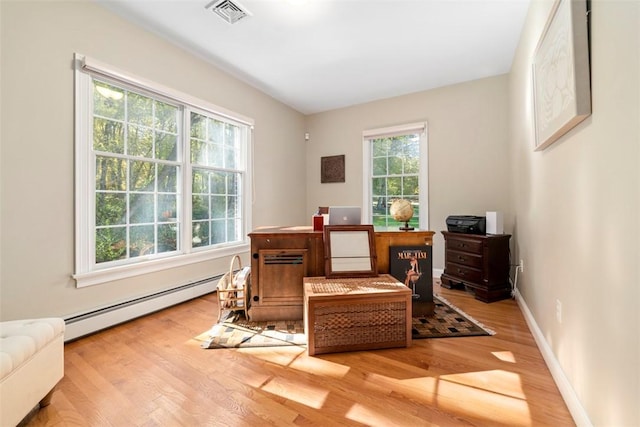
x,y
38,42
468,150
577,217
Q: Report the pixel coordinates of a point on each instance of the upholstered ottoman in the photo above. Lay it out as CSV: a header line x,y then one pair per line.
x,y
31,364
350,314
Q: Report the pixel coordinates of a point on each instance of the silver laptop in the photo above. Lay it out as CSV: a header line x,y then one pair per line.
x,y
344,215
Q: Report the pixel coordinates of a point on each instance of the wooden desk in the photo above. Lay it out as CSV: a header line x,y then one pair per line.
x,y
282,256
394,237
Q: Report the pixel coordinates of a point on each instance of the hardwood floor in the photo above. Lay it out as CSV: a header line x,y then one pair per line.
x,y
152,372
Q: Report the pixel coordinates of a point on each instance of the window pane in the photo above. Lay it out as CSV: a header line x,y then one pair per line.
x,y
200,207
143,175
215,155
410,186
111,174
140,109
218,183
412,147
380,205
233,230
167,179
108,136
167,238
232,207
412,165
141,208
166,146
230,159
200,233
380,166
218,206
167,208
198,126
139,141
231,149
379,186
397,145
108,101
233,183
166,117
218,234
142,241
111,244
394,186
215,130
200,181
395,165
111,208
198,152
380,147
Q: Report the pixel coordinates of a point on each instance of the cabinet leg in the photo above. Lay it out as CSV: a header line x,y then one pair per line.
x,y
449,284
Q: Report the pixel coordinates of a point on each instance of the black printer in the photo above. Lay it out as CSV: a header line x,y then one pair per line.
x,y
469,224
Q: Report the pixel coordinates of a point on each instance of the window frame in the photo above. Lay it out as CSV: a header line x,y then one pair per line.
x,y
419,128
87,272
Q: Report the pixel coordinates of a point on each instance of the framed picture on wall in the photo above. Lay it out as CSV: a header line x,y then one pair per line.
x,y
561,76
332,169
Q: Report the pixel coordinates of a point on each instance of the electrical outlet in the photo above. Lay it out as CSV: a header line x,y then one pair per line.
x,y
558,311
521,266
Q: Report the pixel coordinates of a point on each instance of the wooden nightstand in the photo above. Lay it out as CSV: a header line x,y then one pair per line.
x,y
478,263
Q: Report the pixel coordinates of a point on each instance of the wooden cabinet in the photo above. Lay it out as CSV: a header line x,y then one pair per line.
x,y
478,263
282,256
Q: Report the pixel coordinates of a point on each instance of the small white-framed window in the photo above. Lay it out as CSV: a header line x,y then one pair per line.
x,y
395,166
162,179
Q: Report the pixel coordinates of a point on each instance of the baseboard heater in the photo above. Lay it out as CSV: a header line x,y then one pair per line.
x,y
97,320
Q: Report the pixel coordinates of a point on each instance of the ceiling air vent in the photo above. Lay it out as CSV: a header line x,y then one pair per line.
x,y
230,11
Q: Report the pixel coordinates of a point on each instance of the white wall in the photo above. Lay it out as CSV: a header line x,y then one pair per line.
x,y
577,217
38,40
468,150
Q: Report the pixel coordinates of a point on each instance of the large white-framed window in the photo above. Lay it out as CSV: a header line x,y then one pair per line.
x,y
163,179
396,166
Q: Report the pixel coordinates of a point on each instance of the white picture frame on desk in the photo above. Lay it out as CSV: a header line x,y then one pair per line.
x,y
350,251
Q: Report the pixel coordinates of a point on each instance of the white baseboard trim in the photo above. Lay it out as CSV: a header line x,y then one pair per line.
x,y
437,272
576,409
89,322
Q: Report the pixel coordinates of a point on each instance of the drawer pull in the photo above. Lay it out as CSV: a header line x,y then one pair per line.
x,y
461,258
460,272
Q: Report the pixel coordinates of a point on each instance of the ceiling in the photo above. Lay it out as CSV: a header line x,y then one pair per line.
x,y
319,55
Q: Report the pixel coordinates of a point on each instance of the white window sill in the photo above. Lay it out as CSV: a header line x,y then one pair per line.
x,y
126,271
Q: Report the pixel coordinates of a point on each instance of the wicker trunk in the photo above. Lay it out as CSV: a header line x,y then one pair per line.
x,y
351,314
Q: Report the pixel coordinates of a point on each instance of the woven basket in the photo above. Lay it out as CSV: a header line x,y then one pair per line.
x,y
233,289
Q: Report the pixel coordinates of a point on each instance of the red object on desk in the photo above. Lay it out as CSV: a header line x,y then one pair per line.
x,y
318,223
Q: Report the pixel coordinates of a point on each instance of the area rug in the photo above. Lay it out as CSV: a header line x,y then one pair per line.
x,y
235,331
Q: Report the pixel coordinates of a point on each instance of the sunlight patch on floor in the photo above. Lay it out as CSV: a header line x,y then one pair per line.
x,y
476,394
316,366
423,389
496,381
371,417
283,356
313,397
505,356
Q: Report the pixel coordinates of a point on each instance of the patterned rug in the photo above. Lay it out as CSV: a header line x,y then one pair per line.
x,y
236,332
